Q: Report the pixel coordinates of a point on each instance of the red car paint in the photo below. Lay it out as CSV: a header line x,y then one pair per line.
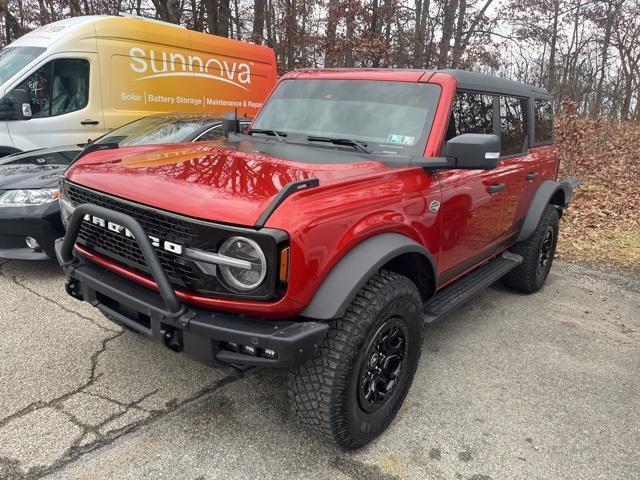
x,y
352,203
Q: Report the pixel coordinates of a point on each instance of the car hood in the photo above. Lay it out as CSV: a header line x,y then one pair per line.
x,y
24,176
229,183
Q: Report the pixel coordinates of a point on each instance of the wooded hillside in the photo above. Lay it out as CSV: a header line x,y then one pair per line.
x,y
583,50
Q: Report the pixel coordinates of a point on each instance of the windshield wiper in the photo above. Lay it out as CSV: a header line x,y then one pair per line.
x,y
361,146
272,133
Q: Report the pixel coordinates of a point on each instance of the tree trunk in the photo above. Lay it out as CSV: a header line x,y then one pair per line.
x,y
257,35
43,17
74,8
597,104
168,10
553,47
348,55
290,33
13,30
224,18
457,51
330,60
373,27
448,19
422,11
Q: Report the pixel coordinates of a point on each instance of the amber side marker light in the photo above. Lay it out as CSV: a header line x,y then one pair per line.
x,y
284,264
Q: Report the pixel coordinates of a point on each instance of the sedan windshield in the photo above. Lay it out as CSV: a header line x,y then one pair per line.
x,y
155,129
14,59
42,157
382,117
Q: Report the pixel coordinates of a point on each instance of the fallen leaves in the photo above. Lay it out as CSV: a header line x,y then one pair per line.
x,y
602,224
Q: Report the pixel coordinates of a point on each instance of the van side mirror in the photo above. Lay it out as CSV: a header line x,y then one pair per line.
x,y
474,151
15,105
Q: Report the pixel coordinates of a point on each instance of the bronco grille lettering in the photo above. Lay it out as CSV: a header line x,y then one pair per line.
x,y
121,230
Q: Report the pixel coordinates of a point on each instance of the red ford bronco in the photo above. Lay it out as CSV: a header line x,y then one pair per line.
x,y
359,205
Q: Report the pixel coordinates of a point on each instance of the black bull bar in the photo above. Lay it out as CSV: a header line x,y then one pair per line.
x,y
201,333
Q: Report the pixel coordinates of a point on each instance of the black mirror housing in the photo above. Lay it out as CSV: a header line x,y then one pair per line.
x,y
474,151
15,105
230,124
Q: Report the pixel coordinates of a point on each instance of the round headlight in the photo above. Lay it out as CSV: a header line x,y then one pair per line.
x,y
243,279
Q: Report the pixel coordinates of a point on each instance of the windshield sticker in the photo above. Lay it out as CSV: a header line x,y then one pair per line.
x,y
400,139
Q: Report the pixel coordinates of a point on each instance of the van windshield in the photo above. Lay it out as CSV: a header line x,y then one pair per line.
x,y
14,59
384,117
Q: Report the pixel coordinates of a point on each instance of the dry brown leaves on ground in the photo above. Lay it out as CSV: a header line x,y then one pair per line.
x,y
602,224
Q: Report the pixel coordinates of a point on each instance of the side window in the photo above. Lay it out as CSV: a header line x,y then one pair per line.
x,y
472,113
214,133
513,127
544,121
59,87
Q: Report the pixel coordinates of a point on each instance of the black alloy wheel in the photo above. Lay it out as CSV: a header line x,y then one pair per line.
x,y
382,364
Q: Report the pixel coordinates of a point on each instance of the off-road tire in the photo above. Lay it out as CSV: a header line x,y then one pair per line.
x,y
528,277
325,392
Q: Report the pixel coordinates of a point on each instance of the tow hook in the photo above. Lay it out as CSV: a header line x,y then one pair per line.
x,y
73,288
172,338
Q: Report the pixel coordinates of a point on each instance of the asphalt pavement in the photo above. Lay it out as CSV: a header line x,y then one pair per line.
x,y
511,386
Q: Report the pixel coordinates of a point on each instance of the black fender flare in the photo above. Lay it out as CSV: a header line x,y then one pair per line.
x,y
347,277
543,196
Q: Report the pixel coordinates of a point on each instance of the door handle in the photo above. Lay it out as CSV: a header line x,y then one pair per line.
x,y
89,122
531,176
496,187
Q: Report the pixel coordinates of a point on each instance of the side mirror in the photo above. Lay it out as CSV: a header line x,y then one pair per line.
x,y
230,124
474,151
15,105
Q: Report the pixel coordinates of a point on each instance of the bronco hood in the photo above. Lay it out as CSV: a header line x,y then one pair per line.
x,y
214,181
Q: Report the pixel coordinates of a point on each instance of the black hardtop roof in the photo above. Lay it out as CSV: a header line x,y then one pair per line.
x,y
488,83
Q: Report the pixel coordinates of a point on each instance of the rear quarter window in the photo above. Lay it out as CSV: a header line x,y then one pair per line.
x,y
543,121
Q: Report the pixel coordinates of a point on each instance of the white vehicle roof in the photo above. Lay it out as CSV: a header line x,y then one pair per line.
x,y
47,35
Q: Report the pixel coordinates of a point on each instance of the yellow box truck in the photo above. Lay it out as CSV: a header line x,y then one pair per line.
x,y
75,79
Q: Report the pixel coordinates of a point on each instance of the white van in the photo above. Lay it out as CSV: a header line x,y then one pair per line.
x,y
75,79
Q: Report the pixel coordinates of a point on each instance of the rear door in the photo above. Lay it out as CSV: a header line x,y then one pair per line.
x,y
66,103
516,166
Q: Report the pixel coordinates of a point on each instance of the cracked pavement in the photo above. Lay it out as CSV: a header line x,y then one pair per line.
x,y
510,386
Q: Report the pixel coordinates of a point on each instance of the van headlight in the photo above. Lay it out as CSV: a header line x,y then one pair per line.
x,y
28,198
250,275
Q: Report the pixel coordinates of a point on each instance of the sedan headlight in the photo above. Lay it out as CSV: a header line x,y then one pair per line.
x,y
27,198
249,276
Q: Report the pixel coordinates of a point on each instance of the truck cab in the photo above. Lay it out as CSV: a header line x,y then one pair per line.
x,y
359,205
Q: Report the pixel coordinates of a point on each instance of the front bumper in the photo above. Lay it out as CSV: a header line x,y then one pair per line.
x,y
205,335
41,222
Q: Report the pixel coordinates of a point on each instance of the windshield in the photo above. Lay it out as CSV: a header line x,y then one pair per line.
x,y
389,117
41,157
14,59
152,130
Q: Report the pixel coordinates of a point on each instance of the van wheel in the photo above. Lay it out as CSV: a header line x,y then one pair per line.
x,y
537,253
353,388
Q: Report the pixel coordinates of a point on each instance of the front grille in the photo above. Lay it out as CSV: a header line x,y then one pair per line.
x,y
185,231
125,249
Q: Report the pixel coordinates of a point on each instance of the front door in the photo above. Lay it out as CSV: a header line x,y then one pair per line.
x,y
472,212
66,103
473,202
